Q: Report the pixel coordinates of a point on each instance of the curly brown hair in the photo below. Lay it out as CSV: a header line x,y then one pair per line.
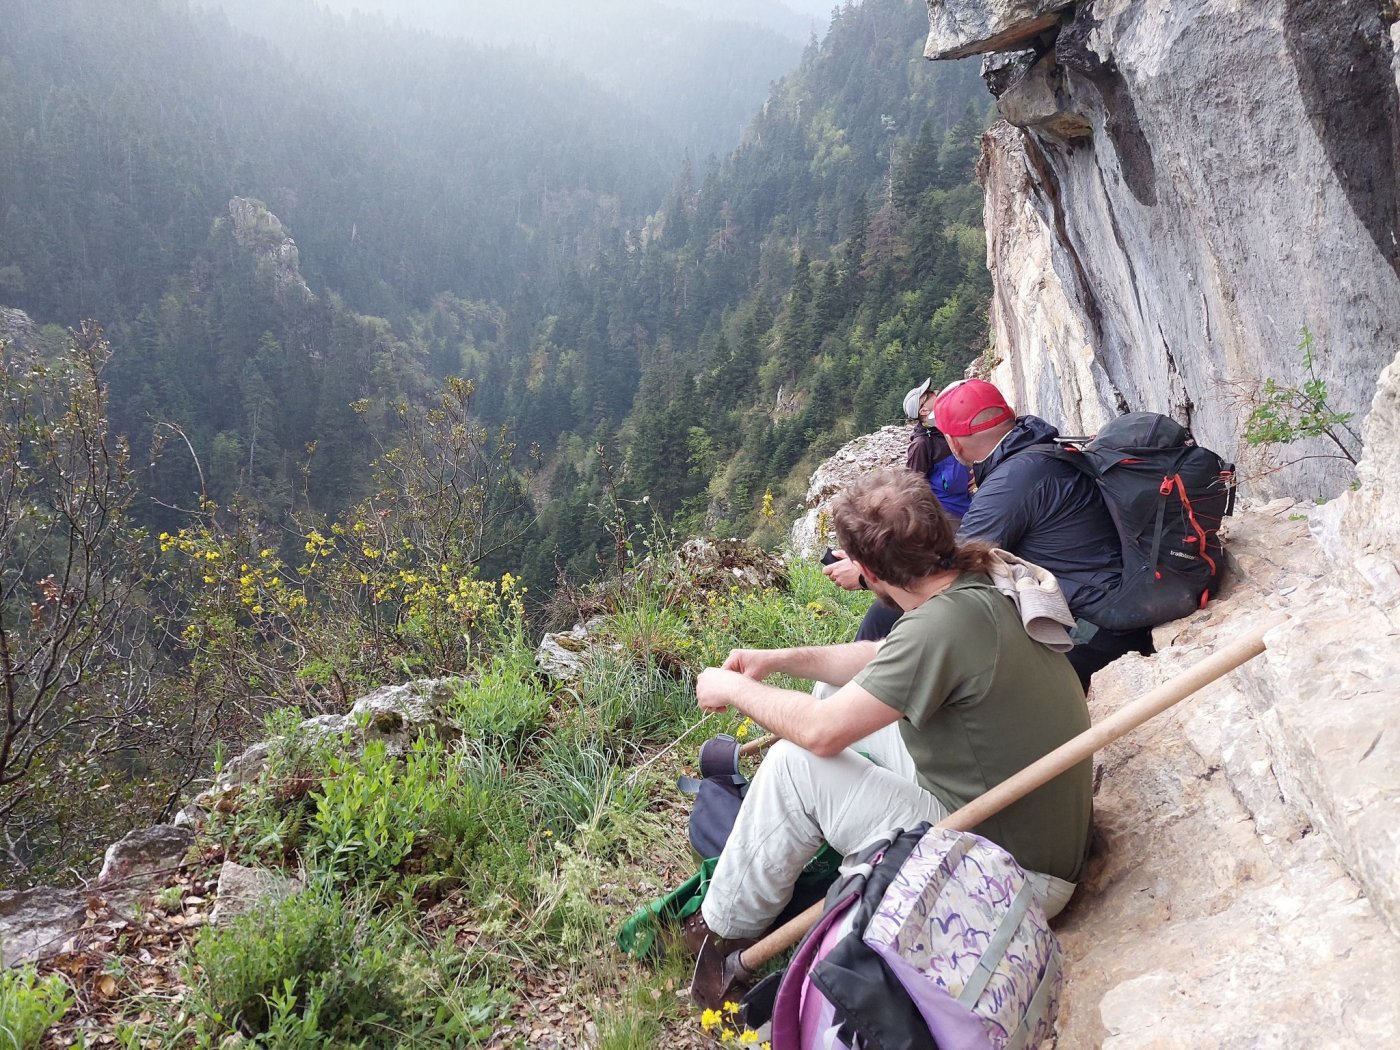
x,y
892,523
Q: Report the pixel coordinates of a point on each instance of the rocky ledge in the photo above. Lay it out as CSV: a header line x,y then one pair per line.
x,y
1245,886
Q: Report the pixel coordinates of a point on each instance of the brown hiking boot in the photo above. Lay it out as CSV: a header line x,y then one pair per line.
x,y
695,932
720,973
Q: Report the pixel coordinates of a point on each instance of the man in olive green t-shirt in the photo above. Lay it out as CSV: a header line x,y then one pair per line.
x,y
973,697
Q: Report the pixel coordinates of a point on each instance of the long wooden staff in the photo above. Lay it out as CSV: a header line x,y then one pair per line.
x,y
1064,757
763,743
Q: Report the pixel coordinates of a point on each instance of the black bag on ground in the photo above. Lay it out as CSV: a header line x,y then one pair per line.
x,y
1167,496
718,792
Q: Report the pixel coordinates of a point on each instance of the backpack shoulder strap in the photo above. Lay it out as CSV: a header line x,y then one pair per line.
x,y
1065,453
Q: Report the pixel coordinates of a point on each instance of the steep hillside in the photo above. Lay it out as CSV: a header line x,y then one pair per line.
x,y
484,209
781,305
404,165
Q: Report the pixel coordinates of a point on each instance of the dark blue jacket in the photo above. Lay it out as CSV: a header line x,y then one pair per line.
x,y
1048,513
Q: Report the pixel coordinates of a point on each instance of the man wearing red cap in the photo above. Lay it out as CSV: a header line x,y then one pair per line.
x,y
1040,509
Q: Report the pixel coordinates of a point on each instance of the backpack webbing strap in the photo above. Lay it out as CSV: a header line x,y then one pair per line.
x,y
1157,527
1048,982
996,946
1172,482
691,785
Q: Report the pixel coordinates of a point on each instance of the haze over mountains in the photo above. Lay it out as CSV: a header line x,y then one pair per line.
x,y
304,233
491,212
696,70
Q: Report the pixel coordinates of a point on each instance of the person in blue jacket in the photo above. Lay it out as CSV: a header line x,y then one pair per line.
x,y
930,457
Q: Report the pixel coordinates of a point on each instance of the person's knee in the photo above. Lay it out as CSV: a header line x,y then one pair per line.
x,y
783,757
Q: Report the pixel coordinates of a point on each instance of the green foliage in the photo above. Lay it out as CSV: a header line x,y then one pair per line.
x,y
391,589
305,968
503,703
29,1006
369,810
85,732
1285,414
579,786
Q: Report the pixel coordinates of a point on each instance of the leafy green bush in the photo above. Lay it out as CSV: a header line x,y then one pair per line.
x,y
29,1005
1284,414
302,971
373,808
503,703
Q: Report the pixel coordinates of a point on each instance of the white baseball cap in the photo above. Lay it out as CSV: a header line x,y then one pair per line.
x,y
911,399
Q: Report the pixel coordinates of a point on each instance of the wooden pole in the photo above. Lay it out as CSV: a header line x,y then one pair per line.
x,y
761,744
1066,756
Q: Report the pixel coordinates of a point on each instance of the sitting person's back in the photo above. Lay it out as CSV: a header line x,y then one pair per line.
x,y
1040,509
1043,510
957,699
981,701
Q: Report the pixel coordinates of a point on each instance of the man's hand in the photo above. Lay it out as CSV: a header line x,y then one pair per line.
x,y
843,573
757,664
715,687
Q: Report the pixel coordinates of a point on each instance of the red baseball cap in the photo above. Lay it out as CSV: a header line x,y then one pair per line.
x,y
960,403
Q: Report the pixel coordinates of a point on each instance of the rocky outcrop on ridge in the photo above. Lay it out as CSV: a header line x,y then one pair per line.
x,y
887,447
37,923
262,234
17,328
1178,191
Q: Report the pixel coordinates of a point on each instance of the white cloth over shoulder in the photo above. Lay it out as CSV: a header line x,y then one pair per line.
x,y
1036,592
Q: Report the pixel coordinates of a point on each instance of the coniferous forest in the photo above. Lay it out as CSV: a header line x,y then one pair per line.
x,y
313,238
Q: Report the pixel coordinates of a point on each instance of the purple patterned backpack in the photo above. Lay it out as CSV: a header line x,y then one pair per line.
x,y
934,944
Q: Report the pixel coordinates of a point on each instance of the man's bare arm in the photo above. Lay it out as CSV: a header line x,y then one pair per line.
x,y
823,727
834,664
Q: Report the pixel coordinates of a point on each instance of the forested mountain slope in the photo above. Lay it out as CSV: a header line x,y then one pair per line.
x,y
460,210
787,300
403,164
297,243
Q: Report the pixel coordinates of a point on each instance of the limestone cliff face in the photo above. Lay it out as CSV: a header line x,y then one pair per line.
x,y
1180,188
17,328
1245,885
261,234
